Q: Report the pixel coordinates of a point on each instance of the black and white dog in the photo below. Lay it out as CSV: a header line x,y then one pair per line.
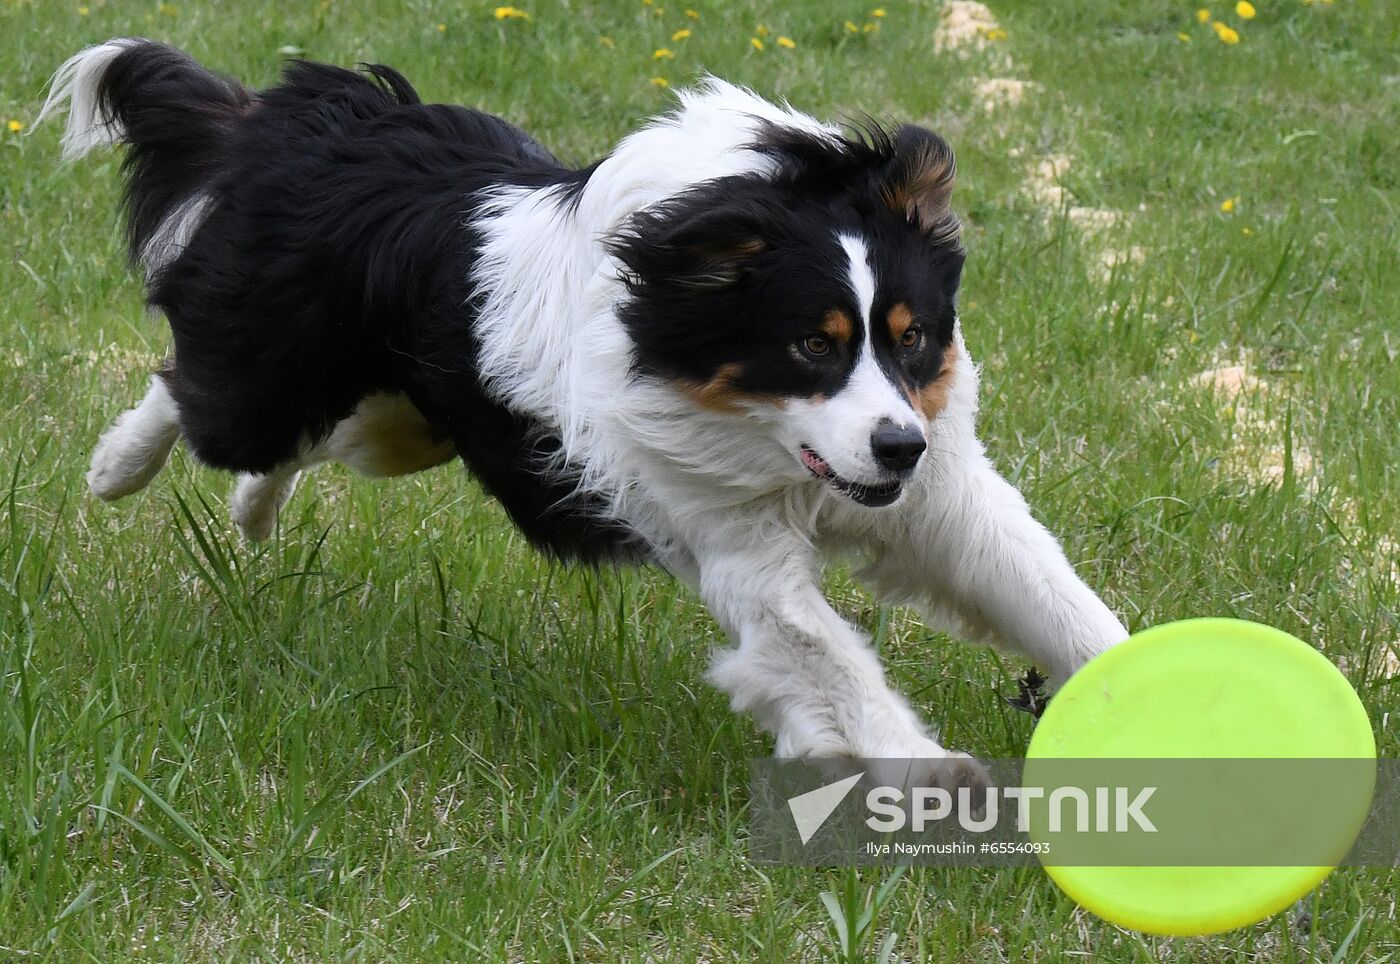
x,y
730,347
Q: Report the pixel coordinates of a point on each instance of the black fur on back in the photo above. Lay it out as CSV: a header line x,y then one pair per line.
x,y
335,261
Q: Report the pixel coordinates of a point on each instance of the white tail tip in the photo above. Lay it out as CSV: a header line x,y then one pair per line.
x,y
75,84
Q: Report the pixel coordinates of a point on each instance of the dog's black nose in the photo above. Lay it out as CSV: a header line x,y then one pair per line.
x,y
897,447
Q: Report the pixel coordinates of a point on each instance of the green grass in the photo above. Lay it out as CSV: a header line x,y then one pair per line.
x,y
397,732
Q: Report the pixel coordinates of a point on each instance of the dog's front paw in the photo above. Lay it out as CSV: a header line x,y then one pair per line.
x,y
926,764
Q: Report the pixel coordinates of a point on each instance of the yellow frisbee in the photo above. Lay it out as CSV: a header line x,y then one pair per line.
x,y
1212,689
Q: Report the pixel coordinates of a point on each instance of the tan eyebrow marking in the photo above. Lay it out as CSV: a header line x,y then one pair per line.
x,y
718,393
899,319
838,325
932,397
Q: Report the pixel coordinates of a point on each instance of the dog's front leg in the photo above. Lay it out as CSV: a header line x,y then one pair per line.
x,y
808,676
967,547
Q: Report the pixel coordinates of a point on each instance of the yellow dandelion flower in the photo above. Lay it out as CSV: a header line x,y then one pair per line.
x,y
878,12
14,127
1192,337
607,41
1202,15
511,13
850,27
659,82
996,33
1244,10
693,14
786,42
167,9
680,35
756,43
1227,206
442,28
662,54
1247,232
869,27
83,11
761,30
1184,37
1227,35
646,3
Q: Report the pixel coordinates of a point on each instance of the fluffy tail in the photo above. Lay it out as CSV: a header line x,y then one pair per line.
x,y
173,115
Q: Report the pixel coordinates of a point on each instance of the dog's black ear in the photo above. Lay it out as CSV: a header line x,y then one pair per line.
x,y
919,183
694,249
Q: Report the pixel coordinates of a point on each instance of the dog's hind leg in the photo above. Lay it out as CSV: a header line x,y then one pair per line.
x,y
136,446
257,498
385,436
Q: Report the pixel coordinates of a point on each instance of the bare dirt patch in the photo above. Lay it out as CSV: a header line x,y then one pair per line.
x,y
964,26
998,92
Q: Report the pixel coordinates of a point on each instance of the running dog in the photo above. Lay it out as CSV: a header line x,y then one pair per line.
x,y
729,348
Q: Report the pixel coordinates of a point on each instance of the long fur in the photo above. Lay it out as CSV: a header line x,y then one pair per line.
x,y
729,347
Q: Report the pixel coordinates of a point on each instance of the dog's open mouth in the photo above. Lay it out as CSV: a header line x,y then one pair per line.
x,y
873,496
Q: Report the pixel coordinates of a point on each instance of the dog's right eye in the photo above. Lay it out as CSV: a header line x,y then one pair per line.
x,y
816,345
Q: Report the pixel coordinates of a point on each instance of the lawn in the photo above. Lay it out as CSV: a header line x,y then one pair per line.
x,y
395,731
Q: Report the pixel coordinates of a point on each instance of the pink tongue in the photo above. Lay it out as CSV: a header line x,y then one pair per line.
x,y
815,463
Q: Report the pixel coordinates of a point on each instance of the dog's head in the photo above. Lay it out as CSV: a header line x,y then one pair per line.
x,y
816,301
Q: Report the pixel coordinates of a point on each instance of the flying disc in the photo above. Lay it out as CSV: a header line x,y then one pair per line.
x,y
1212,689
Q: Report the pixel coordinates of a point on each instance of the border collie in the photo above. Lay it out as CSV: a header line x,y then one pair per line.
x,y
730,348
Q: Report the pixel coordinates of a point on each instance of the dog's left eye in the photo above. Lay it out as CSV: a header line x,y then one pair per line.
x,y
912,338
